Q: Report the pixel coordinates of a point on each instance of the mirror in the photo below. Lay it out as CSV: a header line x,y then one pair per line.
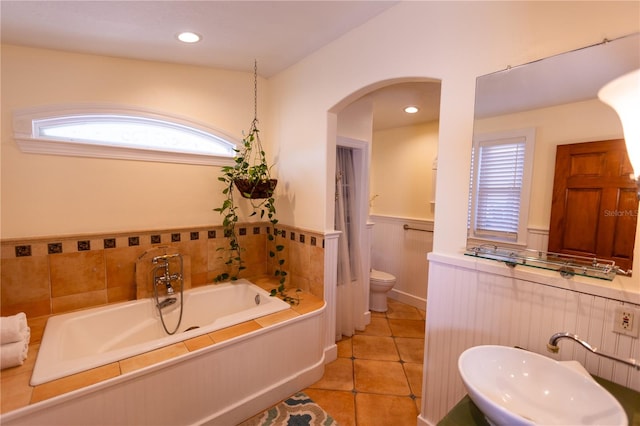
x,y
556,96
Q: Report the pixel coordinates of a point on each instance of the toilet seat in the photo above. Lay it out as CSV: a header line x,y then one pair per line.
x,y
382,277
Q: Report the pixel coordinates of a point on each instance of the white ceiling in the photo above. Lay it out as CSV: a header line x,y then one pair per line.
x,y
275,33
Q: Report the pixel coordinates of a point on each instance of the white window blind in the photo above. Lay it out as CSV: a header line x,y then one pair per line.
x,y
502,167
500,172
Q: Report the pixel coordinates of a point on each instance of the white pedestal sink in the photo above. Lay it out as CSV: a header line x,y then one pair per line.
x,y
516,387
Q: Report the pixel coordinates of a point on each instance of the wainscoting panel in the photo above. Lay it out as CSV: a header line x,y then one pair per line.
x,y
468,307
403,253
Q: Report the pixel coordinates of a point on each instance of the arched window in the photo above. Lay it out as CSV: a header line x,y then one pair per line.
x,y
122,133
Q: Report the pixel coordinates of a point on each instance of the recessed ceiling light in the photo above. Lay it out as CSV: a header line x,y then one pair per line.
x,y
189,37
411,109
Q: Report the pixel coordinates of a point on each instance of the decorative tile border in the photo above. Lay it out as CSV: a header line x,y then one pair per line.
x,y
23,251
69,244
54,248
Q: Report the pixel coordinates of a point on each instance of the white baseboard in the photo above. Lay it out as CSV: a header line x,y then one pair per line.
x,y
424,422
409,299
330,353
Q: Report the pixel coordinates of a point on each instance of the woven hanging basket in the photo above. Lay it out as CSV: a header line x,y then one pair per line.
x,y
262,189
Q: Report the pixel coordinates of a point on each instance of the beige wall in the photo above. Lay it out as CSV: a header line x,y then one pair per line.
x,y
46,195
571,123
401,171
454,42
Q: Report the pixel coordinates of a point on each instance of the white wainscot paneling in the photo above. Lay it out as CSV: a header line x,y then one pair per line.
x,y
467,307
537,239
403,253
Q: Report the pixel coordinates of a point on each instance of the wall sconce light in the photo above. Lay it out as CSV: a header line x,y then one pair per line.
x,y
623,95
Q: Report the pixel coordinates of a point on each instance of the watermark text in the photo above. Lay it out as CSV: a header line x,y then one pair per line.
x,y
621,213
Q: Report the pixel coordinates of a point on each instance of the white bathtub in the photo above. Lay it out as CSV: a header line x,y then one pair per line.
x,y
218,385
86,339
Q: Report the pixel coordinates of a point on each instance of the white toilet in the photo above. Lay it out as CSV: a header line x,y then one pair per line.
x,y
379,285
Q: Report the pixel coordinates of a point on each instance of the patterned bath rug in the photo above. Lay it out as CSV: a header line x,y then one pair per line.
x,y
298,410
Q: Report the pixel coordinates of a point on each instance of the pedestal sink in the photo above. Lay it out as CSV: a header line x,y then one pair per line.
x,y
516,387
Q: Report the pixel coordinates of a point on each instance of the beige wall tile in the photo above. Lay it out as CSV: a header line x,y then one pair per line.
x,y
299,258
15,391
281,316
197,251
234,331
75,278
316,270
73,302
121,294
37,324
76,381
73,273
25,286
308,303
121,265
140,361
198,342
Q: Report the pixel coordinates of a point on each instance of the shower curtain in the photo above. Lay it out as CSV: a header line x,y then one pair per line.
x,y
350,297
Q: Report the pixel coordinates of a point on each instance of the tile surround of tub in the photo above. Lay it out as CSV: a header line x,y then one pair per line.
x,y
16,392
50,275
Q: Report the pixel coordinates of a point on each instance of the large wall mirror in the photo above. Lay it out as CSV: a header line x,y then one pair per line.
x,y
555,100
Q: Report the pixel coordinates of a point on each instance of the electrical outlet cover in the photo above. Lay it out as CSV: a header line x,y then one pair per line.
x,y
626,320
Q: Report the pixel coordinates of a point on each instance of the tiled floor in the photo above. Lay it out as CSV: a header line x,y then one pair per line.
x,y
377,378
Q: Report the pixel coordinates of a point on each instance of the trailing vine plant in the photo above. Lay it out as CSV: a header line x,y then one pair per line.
x,y
250,174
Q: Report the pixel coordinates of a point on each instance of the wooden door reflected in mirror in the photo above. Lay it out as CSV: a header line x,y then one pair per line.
x,y
594,210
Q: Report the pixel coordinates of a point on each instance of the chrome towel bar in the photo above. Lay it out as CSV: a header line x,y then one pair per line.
x,y
407,228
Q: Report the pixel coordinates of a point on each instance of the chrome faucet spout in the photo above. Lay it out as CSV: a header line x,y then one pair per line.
x,y
552,346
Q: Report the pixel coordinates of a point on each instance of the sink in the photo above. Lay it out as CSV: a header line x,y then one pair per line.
x,y
516,387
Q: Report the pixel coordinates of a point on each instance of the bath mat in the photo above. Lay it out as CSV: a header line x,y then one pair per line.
x,y
298,410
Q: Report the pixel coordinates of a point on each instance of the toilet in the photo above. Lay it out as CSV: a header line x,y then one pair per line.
x,y
379,285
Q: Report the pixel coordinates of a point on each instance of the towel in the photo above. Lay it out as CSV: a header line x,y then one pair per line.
x,y
13,354
13,328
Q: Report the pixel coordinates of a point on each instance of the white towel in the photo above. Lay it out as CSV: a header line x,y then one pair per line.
x,y
13,328
13,354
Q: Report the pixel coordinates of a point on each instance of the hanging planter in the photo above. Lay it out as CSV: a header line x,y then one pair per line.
x,y
256,190
250,175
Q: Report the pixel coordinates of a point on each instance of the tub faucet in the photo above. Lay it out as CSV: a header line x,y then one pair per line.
x,y
552,346
167,277
166,280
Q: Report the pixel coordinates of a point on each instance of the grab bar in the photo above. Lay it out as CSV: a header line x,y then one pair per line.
x,y
407,227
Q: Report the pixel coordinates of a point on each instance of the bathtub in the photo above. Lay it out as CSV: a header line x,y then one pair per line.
x,y
82,340
217,385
